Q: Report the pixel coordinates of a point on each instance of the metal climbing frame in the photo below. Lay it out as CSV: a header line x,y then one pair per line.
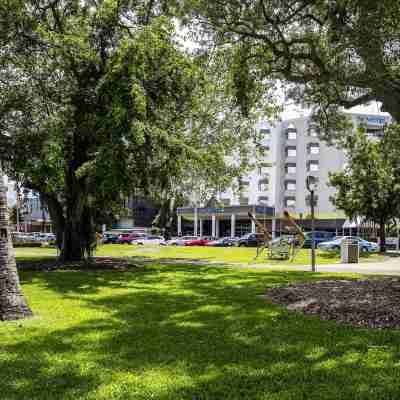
x,y
284,247
267,235
299,237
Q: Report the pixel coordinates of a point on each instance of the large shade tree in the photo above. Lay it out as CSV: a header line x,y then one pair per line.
x,y
97,99
330,54
369,186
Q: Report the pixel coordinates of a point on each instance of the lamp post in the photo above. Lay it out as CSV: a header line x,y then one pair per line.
x,y
311,183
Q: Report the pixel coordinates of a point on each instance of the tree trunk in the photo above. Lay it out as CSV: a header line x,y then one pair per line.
x,y
73,243
56,216
12,302
72,237
165,216
73,248
382,236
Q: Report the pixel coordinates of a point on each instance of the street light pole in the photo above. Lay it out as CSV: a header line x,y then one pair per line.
x,y
313,267
311,185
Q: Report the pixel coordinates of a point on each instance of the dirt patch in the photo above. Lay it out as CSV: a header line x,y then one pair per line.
x,y
373,303
96,264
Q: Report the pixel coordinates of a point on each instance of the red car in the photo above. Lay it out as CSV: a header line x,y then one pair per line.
x,y
197,242
126,238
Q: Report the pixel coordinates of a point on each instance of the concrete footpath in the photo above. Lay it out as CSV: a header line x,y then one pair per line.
x,y
387,267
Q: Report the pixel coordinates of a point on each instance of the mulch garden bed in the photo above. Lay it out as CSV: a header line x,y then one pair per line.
x,y
95,264
373,303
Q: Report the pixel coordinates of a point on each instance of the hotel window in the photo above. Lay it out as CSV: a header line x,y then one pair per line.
x,y
263,200
264,150
244,201
263,185
291,151
290,185
290,168
264,169
226,202
290,201
312,131
291,134
313,148
313,166
243,185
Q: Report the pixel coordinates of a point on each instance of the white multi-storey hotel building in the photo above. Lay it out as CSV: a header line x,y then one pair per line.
x,y
292,152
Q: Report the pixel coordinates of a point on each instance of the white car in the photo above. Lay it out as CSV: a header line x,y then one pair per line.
x,y
180,241
149,240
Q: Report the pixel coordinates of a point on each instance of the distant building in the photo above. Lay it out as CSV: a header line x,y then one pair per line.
x,y
11,195
137,211
292,151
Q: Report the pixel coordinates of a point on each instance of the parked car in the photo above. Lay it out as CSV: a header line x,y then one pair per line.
x,y
19,237
180,241
319,237
251,240
110,238
223,242
127,238
149,240
198,241
334,244
44,237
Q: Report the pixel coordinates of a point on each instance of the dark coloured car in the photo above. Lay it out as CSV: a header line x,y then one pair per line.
x,y
110,238
251,240
319,236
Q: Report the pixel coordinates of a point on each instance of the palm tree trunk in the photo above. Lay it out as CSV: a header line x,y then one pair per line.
x,y
12,302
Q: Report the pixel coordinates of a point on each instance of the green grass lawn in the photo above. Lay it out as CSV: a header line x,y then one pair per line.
x,y
212,254
176,332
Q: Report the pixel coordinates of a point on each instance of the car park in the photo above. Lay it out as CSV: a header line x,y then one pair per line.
x,y
334,245
148,240
180,241
109,238
319,237
223,242
44,237
127,238
19,237
198,241
251,240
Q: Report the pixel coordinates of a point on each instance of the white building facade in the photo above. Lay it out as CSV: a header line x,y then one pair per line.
x,y
292,152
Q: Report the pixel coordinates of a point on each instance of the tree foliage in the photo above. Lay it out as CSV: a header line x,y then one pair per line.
x,y
330,54
369,186
98,99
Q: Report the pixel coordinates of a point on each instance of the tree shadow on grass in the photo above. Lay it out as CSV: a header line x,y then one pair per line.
x,y
181,332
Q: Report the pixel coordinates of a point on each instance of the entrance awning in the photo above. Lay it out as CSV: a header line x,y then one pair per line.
x,y
226,212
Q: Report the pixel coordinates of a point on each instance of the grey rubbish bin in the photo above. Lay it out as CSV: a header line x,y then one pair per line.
x,y
349,251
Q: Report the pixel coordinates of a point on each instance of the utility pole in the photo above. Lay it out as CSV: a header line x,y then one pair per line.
x,y
311,184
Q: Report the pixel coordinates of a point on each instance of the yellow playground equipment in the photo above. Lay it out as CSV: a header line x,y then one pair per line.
x,y
284,247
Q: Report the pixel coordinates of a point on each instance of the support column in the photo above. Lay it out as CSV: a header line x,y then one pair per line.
x,y
273,228
253,227
233,225
179,225
195,228
201,227
217,228
213,226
